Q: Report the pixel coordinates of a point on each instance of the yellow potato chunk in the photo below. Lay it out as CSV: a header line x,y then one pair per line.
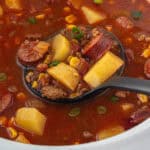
x,y
112,131
92,16
31,120
103,69
66,75
1,11
13,4
60,47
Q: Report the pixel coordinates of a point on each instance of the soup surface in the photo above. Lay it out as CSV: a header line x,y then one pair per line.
x,y
24,118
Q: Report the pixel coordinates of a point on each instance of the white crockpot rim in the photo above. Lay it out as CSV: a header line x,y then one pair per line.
x,y
129,134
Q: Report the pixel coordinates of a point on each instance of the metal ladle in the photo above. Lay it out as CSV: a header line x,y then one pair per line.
x,y
117,81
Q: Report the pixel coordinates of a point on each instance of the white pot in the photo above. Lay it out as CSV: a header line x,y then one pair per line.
x,y
137,138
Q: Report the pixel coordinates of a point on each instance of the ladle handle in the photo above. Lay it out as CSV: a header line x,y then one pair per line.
x,y
132,84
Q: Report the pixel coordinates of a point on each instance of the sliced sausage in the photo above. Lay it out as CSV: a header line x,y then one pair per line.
x,y
140,115
147,68
130,55
52,92
5,102
125,22
97,46
32,51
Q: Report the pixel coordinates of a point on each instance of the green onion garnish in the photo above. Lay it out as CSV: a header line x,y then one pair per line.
x,y
136,14
74,112
54,63
77,33
32,20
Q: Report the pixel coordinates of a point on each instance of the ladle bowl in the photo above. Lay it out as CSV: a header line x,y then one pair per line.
x,y
116,81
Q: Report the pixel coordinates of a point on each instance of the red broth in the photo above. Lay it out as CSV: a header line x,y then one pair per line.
x,y
89,124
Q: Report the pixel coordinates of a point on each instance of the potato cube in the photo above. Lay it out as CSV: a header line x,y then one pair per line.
x,y
92,16
13,4
66,75
111,131
31,120
103,69
60,47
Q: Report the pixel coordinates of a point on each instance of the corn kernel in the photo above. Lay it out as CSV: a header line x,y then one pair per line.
x,y
40,16
67,9
21,96
143,98
41,75
48,59
69,58
70,19
12,132
73,95
3,121
146,53
127,107
74,62
34,84
70,26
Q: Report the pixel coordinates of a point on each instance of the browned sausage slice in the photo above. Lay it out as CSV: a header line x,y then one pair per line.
x,y
97,46
6,101
32,51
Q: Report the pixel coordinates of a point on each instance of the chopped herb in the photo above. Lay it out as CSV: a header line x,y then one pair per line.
x,y
3,77
74,112
136,14
54,63
114,99
32,20
98,1
101,110
77,33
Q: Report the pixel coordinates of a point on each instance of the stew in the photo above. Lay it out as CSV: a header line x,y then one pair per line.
x,y
26,26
